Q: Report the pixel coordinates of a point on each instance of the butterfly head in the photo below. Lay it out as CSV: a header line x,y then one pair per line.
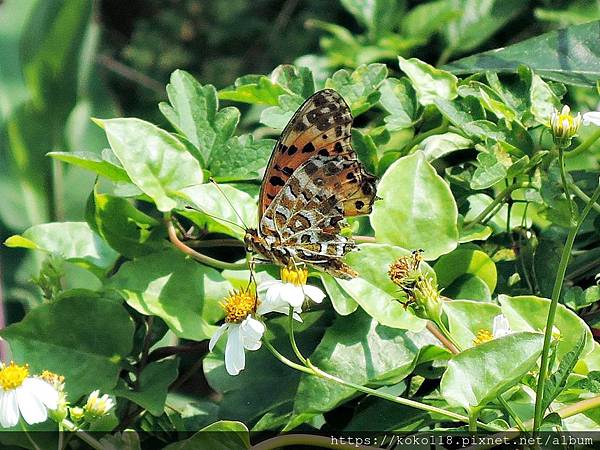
x,y
254,242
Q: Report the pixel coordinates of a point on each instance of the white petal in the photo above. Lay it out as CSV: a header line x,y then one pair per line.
x,y
43,391
215,337
292,294
32,409
235,359
501,327
274,292
265,285
297,317
314,293
9,409
592,118
252,331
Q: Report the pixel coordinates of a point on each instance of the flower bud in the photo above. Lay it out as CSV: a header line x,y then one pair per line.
x,y
564,126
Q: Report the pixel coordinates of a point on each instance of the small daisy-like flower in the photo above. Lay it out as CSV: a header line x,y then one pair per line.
x,y
500,328
58,383
564,126
292,290
21,394
97,406
244,332
482,336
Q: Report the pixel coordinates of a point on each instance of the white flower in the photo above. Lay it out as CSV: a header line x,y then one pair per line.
x,y
240,336
292,290
97,406
20,394
501,327
244,332
592,118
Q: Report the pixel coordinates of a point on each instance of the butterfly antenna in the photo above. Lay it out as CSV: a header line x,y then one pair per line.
x,y
216,218
211,179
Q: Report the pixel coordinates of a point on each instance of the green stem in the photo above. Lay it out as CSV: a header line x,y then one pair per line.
x,y
217,264
293,338
86,437
313,370
563,177
400,400
499,198
562,269
29,438
583,196
473,420
584,145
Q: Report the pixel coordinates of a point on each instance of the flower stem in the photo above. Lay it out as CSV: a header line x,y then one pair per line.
x,y
499,198
562,269
313,370
473,420
583,196
563,177
86,437
584,145
198,256
293,338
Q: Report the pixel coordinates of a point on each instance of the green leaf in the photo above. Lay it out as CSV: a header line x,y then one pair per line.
x,y
175,288
489,171
72,241
365,149
194,112
545,264
265,90
440,145
558,380
568,55
125,228
429,83
399,98
479,21
360,350
466,318
278,116
469,287
222,435
577,298
374,291
591,383
156,162
461,111
91,161
378,16
466,260
529,313
242,158
208,199
342,302
359,88
152,386
81,336
417,209
427,19
479,374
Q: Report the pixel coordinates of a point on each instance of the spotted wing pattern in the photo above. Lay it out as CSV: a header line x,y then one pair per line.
x,y
321,126
302,208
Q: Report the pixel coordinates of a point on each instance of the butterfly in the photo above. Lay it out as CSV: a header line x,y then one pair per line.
x,y
312,182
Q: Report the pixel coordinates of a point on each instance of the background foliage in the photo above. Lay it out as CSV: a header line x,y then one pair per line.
x,y
103,264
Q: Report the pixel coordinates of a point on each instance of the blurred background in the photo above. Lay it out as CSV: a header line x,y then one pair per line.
x,y
64,61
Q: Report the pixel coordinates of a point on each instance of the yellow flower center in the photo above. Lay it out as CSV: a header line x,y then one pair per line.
x,y
12,376
297,276
483,336
239,305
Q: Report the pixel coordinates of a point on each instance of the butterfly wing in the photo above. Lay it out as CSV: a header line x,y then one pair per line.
x,y
307,214
321,126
